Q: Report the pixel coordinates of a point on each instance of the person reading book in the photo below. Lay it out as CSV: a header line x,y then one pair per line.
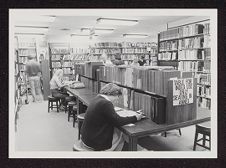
x,y
57,88
99,131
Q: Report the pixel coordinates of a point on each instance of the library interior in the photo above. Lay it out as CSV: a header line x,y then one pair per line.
x,y
111,82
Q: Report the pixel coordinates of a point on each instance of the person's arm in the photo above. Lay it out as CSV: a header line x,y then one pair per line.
x,y
114,118
58,82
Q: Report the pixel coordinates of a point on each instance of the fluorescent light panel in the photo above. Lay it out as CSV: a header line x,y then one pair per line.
x,y
36,18
98,30
135,35
30,29
82,35
112,21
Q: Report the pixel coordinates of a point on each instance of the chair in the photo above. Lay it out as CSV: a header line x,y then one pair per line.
x,y
67,100
74,114
53,102
78,146
80,118
205,132
70,109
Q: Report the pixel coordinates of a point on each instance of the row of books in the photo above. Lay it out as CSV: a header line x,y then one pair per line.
x,y
134,50
26,44
22,67
207,65
204,79
167,45
67,64
204,91
23,60
190,30
79,57
191,43
56,64
56,57
204,103
137,44
60,50
146,78
107,51
207,41
185,31
169,34
167,56
107,45
152,107
26,52
190,54
190,66
79,50
206,28
67,70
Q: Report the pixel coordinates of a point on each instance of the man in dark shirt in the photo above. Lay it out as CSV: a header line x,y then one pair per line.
x,y
142,61
33,74
101,119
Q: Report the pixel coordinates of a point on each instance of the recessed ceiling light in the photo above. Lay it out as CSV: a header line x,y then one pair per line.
x,y
30,29
35,18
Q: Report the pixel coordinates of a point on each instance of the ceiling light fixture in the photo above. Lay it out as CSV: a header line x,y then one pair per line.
x,y
36,34
112,21
97,30
82,35
36,18
135,35
30,29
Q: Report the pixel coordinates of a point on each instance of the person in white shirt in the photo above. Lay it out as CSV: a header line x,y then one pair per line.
x,y
57,87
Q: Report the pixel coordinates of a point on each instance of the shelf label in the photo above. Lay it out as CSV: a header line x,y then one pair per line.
x,y
182,91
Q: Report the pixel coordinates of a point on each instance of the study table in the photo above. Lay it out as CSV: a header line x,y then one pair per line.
x,y
143,127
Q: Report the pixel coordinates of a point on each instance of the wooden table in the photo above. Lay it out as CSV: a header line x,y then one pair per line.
x,y
147,127
142,128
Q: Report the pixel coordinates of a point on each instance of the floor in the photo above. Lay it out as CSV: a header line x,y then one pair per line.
x,y
38,130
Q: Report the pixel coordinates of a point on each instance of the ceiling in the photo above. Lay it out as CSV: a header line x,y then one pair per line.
x,y
149,25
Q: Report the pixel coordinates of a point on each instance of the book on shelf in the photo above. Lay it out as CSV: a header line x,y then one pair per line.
x,y
166,56
190,66
191,55
169,34
190,30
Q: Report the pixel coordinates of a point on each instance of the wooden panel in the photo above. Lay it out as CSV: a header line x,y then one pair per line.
x,y
46,78
177,114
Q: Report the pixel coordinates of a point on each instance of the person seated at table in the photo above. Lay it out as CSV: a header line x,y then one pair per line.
x,y
135,62
57,88
99,131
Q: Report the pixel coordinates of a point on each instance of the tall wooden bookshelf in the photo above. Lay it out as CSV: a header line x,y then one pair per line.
x,y
187,48
60,58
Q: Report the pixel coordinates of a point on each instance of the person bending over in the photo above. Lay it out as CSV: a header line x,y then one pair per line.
x,y
98,131
57,87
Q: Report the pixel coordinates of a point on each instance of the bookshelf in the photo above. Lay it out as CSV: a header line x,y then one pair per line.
x,y
26,47
130,51
187,48
60,58
109,48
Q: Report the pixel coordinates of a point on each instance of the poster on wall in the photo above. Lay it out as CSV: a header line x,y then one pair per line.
x,y
182,91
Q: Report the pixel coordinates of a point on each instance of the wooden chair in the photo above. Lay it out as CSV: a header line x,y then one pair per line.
x,y
67,100
53,102
80,118
205,132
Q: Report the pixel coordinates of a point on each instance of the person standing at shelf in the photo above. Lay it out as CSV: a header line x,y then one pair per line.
x,y
98,130
117,60
57,88
135,62
142,61
33,72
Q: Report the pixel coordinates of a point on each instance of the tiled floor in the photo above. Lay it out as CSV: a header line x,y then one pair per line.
x,y
38,130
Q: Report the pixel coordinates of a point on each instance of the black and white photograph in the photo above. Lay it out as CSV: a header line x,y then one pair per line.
x,y
113,83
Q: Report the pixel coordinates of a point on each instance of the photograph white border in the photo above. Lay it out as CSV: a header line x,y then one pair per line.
x,y
212,13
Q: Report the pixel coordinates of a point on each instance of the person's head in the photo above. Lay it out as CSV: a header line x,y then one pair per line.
x,y
30,57
59,73
112,91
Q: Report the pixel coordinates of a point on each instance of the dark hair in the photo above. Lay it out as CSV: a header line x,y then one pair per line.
x,y
111,89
